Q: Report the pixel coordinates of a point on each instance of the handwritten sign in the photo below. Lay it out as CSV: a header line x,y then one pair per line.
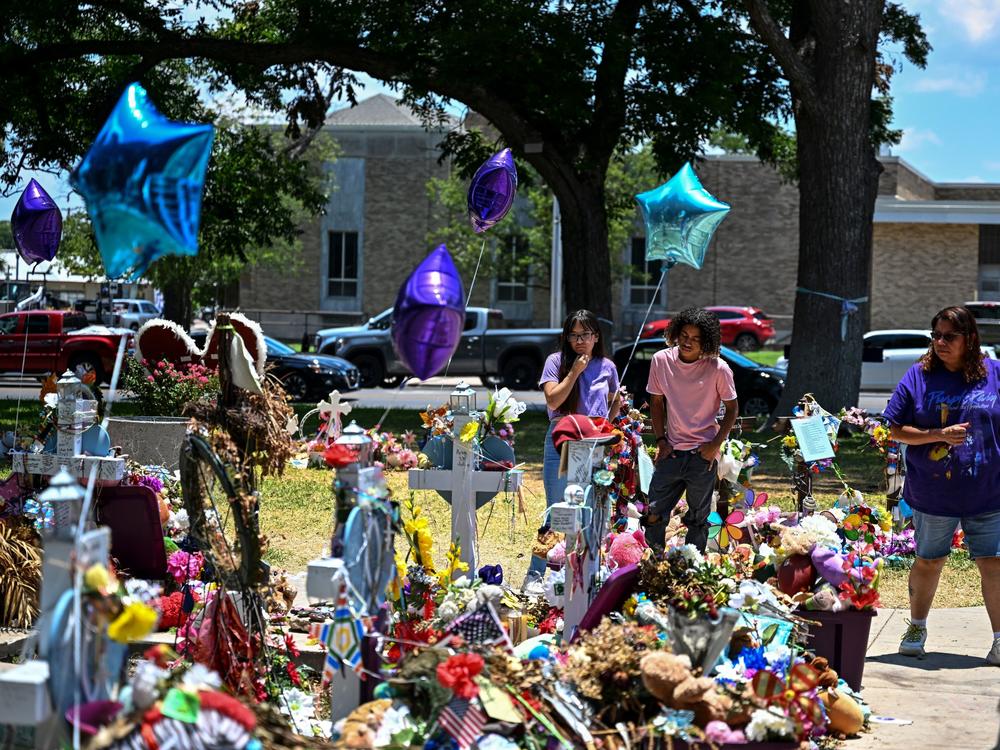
x,y
814,443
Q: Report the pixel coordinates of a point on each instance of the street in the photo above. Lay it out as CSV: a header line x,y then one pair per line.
x,y
420,395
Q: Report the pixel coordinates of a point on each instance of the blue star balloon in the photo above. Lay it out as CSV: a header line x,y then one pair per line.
x,y
681,217
142,180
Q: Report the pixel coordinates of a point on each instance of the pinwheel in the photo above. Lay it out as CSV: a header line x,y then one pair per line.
x,y
792,695
753,501
726,531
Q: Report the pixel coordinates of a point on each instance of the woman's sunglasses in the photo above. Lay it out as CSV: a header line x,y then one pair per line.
x,y
947,337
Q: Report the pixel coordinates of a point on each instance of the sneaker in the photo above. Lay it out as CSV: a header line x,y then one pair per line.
x,y
914,639
993,657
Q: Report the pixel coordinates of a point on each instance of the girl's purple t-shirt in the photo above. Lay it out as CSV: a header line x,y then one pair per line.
x,y
963,480
596,383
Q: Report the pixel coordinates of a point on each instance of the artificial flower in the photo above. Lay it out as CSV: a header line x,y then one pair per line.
x,y
136,621
97,578
469,431
458,674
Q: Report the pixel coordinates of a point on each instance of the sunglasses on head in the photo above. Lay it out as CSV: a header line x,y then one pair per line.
x,y
947,337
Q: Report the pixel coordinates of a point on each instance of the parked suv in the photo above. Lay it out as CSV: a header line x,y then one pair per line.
x,y
514,356
744,328
987,315
132,313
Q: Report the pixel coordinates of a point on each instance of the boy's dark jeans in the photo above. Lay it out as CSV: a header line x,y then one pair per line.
x,y
683,472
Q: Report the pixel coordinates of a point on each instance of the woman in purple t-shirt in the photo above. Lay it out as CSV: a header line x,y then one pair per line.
x,y
947,410
578,379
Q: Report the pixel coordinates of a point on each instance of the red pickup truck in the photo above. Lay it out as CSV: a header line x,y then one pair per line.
x,y
43,341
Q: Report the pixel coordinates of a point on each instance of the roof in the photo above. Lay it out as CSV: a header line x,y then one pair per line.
x,y
893,210
375,112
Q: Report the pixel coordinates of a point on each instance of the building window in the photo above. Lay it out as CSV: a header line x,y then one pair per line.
x,y
512,276
989,244
342,273
645,274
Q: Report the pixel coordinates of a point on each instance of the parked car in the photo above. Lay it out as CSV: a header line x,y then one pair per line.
x,y
758,388
515,356
745,328
132,313
44,341
987,315
888,354
305,377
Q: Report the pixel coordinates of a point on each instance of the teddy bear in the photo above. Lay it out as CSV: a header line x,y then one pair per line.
x,y
669,679
844,715
361,725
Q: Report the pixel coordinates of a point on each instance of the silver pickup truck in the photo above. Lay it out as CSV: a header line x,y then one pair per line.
x,y
510,356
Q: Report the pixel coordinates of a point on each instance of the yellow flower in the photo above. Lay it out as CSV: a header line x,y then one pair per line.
x,y
469,431
97,578
136,621
425,550
789,441
415,525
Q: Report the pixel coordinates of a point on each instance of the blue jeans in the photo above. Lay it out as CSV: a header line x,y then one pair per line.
x,y
933,534
554,485
681,473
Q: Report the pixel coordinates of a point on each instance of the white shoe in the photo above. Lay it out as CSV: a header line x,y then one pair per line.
x,y
993,657
914,639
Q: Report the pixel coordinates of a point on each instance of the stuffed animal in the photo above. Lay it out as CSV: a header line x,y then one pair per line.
x,y
829,564
627,549
361,725
669,679
823,599
844,715
796,574
557,555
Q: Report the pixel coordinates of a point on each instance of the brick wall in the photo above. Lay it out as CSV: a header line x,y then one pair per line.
x,y
753,258
917,269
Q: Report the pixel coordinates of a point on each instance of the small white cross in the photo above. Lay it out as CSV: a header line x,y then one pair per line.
x,y
334,408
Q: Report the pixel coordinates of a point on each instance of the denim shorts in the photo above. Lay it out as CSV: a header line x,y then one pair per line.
x,y
934,534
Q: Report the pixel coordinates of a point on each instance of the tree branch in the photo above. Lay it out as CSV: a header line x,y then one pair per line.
x,y
609,83
798,75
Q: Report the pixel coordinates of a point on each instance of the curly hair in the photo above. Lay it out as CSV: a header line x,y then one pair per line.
x,y
707,323
962,320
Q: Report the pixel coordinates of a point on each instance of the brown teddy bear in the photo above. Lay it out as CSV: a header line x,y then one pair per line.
x,y
844,715
362,724
668,677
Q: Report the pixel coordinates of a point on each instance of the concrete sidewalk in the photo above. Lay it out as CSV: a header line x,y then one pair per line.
x,y
952,696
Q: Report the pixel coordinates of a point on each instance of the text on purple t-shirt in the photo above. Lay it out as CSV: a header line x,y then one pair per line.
x,y
595,384
962,480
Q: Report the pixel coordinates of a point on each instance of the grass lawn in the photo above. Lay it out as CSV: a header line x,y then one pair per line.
x,y
764,357
297,508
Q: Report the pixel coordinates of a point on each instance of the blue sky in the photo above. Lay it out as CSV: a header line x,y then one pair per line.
x,y
948,112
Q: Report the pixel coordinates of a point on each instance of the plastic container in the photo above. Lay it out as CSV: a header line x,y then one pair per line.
x,y
842,638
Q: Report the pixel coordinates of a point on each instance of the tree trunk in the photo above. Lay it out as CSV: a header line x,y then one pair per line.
x,y
586,259
838,184
177,302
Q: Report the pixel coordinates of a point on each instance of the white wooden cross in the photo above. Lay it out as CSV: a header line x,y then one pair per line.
x,y
335,409
74,413
463,481
583,457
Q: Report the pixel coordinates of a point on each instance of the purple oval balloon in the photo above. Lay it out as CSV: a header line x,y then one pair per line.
x,y
429,315
492,191
36,224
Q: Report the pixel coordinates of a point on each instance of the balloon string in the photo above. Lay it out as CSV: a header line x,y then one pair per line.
x,y
24,360
468,299
652,301
378,425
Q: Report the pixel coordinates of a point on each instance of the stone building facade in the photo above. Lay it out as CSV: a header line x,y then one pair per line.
x,y
934,243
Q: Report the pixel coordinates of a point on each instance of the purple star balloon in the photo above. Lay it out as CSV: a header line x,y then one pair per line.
x,y
36,225
492,191
429,314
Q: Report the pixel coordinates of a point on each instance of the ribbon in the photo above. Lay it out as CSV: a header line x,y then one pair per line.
x,y
847,307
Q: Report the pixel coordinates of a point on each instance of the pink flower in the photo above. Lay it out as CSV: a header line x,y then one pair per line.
x,y
203,380
150,378
184,566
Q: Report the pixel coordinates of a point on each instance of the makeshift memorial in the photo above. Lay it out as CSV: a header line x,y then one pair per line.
x,y
36,225
142,180
492,190
428,315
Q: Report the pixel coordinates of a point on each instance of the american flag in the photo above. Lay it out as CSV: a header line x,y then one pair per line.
x,y
463,720
481,627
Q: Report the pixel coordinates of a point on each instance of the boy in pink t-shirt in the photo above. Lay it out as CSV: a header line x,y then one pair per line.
x,y
687,383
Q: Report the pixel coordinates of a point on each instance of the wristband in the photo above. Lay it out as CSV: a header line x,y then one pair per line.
x,y
663,438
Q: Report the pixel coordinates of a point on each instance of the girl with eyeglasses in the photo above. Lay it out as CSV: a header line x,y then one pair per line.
x,y
577,379
946,409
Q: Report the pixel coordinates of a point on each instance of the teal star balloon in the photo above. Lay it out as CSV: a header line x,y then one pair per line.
x,y
142,180
681,217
